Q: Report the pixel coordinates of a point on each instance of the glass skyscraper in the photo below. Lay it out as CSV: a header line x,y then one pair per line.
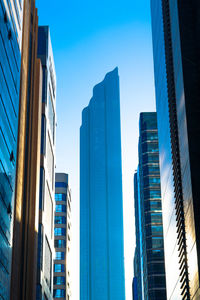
x,y
176,47
101,207
10,63
47,168
149,266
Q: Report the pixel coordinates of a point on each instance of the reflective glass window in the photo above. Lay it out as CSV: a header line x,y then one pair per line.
x,y
153,194
51,114
156,268
154,230
60,220
155,242
59,231
153,218
59,280
152,205
58,293
60,208
60,197
155,255
60,255
43,135
59,268
60,243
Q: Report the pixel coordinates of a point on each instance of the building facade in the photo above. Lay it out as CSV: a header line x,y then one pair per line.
x,y
101,207
47,168
149,256
24,257
62,238
10,64
176,45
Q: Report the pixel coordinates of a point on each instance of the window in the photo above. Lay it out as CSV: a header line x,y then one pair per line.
x,y
50,160
60,208
156,268
152,194
155,255
58,293
154,242
153,218
61,184
154,230
60,255
60,197
43,135
60,220
47,264
60,243
152,205
59,280
59,268
59,231
42,187
51,114
150,147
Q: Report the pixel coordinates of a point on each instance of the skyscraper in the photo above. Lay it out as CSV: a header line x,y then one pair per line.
x,y
62,238
101,207
47,168
10,62
176,46
149,255
24,258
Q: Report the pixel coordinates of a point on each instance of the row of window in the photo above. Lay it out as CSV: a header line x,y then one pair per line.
x,y
60,244
59,293
59,280
60,220
59,231
60,208
60,255
153,194
59,268
60,197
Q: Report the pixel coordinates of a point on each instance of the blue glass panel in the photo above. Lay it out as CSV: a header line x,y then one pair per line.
x,y
60,220
59,268
59,231
60,208
60,255
60,197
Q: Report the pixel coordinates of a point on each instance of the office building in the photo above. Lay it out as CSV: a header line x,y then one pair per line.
x,y
176,47
10,62
149,265
47,168
24,258
62,238
101,207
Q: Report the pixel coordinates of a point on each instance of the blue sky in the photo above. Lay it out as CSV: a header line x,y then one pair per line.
x,y
89,39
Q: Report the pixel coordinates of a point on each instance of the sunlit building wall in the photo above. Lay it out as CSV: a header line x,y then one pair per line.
x,y
47,168
62,238
176,47
10,62
25,227
149,256
101,207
